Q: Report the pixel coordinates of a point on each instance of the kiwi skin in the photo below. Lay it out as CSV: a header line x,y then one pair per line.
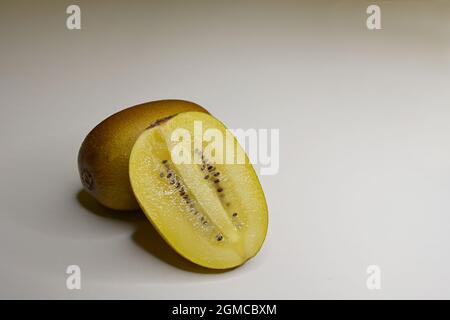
x,y
104,154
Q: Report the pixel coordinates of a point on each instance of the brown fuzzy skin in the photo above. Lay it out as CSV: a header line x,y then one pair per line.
x,y
105,152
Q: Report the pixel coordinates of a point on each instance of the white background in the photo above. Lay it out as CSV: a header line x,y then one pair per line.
x,y
364,143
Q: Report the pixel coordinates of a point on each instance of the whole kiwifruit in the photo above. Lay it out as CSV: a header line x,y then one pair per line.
x,y
104,154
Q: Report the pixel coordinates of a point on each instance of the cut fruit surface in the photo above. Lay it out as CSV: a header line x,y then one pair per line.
x,y
190,181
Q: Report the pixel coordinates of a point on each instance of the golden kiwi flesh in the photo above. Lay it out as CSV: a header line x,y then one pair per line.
x,y
210,210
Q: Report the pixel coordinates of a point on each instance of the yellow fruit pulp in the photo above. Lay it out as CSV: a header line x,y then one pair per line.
x,y
212,212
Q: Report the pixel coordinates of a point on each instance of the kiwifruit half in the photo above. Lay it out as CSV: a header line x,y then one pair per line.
x,y
204,201
104,154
